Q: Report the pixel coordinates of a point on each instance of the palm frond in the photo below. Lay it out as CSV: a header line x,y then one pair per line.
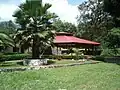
x,y
6,40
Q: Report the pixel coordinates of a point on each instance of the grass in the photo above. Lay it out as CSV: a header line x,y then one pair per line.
x,y
57,62
102,76
63,61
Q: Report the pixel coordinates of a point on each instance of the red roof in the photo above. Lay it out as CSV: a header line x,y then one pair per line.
x,y
63,39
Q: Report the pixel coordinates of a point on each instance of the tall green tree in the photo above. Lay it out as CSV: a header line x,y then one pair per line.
x,y
113,8
36,26
64,26
94,23
113,38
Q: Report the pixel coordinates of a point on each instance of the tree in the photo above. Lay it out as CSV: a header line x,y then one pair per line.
x,y
112,42
5,40
113,8
36,26
64,26
94,23
113,38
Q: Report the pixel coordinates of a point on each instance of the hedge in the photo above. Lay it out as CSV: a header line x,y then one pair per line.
x,y
13,57
11,53
9,57
63,57
99,58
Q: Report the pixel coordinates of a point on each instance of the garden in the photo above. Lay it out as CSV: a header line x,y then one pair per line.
x,y
39,51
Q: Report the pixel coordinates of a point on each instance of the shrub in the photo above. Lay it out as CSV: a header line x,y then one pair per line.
x,y
50,62
63,57
13,57
109,52
99,58
11,53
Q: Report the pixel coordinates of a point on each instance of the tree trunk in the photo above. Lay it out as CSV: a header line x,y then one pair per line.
x,y
35,49
15,49
22,49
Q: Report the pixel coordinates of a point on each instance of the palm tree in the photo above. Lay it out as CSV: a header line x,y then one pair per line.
x,y
5,40
36,26
20,42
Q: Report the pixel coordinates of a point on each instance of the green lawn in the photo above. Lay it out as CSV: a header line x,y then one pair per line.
x,y
66,61
102,76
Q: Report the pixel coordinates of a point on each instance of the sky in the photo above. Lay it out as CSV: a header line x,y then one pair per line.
x,y
67,10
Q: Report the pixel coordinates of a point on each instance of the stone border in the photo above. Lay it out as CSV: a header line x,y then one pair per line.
x,y
44,66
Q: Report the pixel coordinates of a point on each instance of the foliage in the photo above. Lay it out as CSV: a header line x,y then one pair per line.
x,y
102,76
99,58
63,57
10,53
64,26
6,29
13,57
5,40
19,43
113,38
112,7
51,62
77,53
109,52
36,26
94,23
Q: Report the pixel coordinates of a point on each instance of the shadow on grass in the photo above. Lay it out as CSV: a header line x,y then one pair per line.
x,y
10,64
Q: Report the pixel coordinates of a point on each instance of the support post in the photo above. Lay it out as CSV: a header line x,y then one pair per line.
x,y
93,50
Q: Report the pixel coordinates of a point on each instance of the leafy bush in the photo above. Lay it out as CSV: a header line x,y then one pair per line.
x,y
99,58
50,62
109,52
77,53
63,57
11,53
13,57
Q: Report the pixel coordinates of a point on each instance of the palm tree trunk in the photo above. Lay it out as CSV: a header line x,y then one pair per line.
x,y
35,49
22,49
15,49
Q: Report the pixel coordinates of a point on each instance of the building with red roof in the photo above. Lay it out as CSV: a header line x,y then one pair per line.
x,y
67,40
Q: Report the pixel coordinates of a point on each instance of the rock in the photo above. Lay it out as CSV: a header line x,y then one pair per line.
x,y
35,62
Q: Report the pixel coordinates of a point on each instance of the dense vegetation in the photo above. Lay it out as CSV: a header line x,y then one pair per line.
x,y
17,56
98,21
